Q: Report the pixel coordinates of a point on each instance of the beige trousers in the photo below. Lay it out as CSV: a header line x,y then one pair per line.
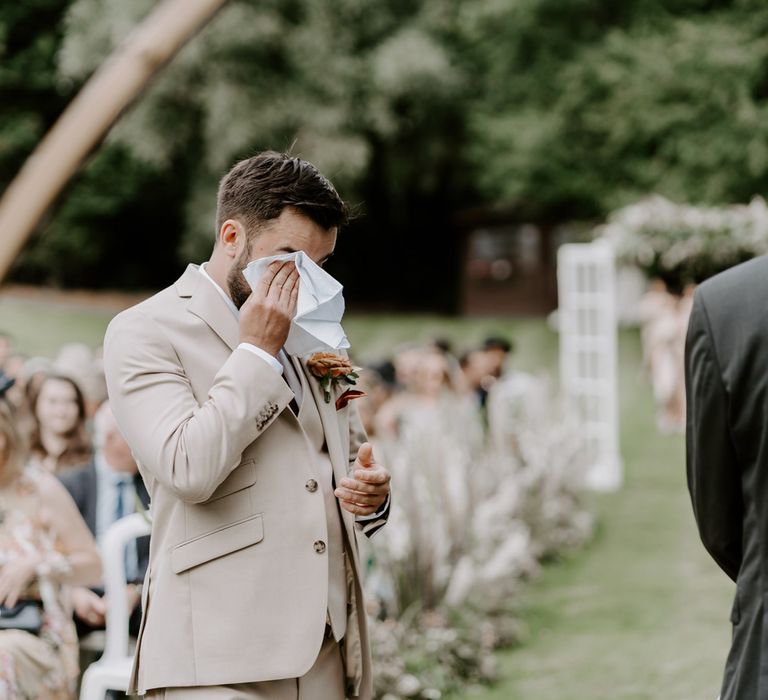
x,y
325,680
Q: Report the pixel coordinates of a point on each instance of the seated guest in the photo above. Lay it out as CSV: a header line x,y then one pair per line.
x,y
78,361
431,386
477,367
378,383
104,491
14,369
484,366
59,438
497,349
44,546
25,371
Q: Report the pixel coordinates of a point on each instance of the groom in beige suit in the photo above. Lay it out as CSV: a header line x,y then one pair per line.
x,y
259,486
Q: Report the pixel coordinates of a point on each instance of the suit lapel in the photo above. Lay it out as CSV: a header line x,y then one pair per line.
x,y
206,303
329,418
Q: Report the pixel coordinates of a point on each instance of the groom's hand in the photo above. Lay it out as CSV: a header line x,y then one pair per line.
x,y
265,318
367,492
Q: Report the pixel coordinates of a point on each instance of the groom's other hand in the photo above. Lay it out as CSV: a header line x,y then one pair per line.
x,y
367,492
265,317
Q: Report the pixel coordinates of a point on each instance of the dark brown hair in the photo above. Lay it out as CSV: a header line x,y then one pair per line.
x,y
79,448
257,189
14,451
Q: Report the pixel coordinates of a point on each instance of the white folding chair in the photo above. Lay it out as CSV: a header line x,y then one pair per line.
x,y
113,670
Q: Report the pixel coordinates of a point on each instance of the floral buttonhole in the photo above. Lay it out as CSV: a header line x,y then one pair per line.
x,y
332,370
348,396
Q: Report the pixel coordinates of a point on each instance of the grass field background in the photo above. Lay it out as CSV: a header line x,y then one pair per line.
x,y
641,614
42,327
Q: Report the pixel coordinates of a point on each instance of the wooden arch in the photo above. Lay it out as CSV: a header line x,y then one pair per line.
x,y
112,88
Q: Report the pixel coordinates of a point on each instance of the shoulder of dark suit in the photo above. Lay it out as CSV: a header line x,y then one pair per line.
x,y
736,288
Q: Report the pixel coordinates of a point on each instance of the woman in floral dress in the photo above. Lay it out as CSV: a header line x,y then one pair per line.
x,y
44,547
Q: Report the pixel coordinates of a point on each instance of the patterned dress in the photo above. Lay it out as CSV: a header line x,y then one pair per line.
x,y
43,667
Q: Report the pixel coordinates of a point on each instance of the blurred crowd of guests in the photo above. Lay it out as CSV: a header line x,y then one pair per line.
x,y
478,386
67,475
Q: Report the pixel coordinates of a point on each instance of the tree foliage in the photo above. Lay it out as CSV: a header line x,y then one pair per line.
x,y
118,206
661,99
366,90
29,36
416,109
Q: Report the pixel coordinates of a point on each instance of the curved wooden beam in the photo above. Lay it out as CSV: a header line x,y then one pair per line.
x,y
88,118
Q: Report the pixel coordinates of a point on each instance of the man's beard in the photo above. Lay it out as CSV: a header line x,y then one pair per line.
x,y
239,291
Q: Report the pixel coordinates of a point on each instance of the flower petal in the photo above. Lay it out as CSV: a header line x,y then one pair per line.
x,y
347,396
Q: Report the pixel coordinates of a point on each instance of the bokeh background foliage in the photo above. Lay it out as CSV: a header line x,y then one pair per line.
x,y
419,110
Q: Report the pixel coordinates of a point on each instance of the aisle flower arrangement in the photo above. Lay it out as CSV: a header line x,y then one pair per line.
x,y
684,244
473,519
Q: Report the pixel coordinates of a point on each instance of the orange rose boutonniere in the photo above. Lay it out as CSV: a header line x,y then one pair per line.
x,y
331,370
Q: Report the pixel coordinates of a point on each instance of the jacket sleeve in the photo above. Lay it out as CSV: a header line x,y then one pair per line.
x,y
369,525
187,447
714,478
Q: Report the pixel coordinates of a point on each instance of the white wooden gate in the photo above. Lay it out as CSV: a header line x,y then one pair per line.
x,y
589,353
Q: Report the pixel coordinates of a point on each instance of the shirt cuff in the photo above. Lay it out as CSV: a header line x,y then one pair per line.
x,y
271,360
377,514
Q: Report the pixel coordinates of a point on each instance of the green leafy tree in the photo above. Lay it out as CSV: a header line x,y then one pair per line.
x,y
30,98
597,104
366,90
98,235
417,109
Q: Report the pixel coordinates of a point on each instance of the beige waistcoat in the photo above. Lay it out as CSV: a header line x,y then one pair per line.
x,y
309,419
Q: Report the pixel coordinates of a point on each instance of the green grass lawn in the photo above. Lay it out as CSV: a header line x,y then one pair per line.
x,y
41,329
641,614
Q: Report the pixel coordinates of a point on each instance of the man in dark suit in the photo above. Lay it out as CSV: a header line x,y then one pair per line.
x,y
104,491
727,445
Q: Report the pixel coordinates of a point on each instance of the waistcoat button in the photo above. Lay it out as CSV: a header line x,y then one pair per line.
x,y
311,486
319,546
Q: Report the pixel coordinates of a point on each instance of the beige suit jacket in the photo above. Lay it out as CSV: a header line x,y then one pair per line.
x,y
236,591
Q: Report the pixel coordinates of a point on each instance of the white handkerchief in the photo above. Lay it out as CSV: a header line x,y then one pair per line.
x,y
319,308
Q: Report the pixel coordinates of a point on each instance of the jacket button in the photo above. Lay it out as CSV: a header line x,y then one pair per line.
x,y
311,486
319,546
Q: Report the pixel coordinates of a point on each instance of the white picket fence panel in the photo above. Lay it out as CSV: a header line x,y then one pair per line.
x,y
588,324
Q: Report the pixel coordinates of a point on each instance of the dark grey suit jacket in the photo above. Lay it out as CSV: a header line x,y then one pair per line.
x,y
727,455
82,484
